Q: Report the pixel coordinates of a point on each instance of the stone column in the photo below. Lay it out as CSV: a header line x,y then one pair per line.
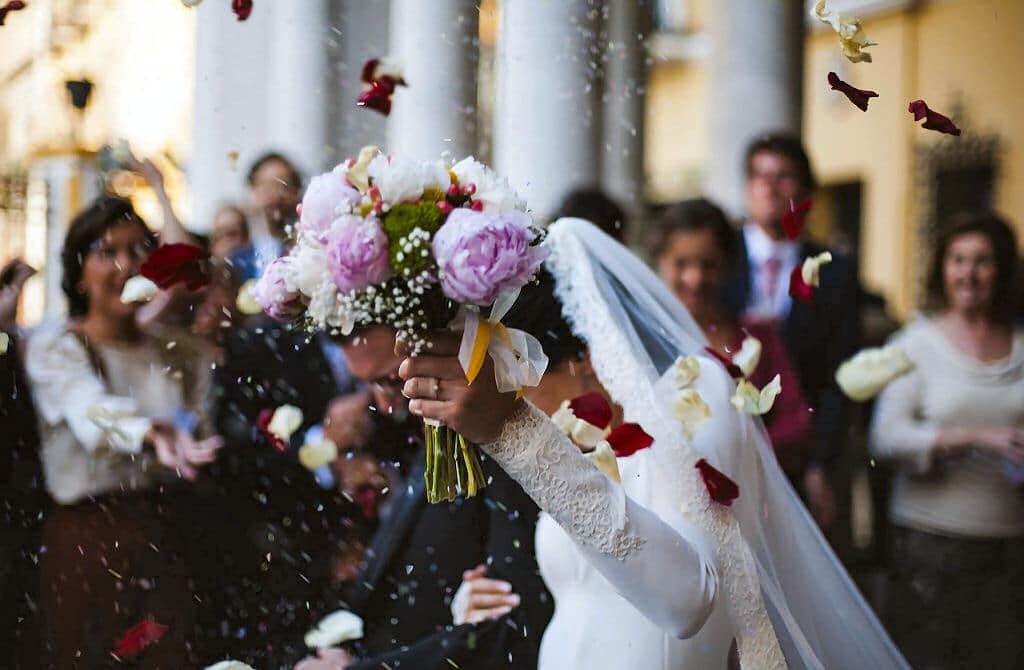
x,y
546,119
437,44
625,94
755,75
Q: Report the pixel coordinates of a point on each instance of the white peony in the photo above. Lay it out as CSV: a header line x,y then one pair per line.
x,y
604,458
811,268
314,455
691,410
492,191
749,400
286,420
138,289
309,267
335,628
866,374
748,356
687,369
328,309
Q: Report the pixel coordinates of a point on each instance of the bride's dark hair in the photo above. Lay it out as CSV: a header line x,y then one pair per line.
x,y
539,312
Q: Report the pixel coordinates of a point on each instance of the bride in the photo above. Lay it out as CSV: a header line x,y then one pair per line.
x,y
651,573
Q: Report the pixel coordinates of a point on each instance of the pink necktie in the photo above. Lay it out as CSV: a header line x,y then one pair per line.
x,y
770,278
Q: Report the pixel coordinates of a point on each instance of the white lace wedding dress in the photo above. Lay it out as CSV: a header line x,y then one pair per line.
x,y
652,574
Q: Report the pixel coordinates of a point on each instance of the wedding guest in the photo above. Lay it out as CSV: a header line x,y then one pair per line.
x,y
818,335
954,428
229,231
596,206
117,406
422,552
275,188
694,251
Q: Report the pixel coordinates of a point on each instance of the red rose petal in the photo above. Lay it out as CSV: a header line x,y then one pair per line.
x,y
798,288
377,97
138,637
175,264
12,6
263,424
369,67
721,489
593,408
628,439
368,498
793,220
241,8
933,120
730,367
857,96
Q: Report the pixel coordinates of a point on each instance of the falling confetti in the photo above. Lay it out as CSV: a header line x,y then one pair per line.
x,y
233,160
851,35
138,289
138,637
175,264
12,6
856,95
932,120
721,489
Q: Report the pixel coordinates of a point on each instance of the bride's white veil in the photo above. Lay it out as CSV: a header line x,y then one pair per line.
x,y
782,570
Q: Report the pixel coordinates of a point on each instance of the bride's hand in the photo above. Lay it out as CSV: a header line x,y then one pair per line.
x,y
479,599
437,388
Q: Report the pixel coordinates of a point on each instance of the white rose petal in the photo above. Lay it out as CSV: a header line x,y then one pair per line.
x,y
579,431
312,456
138,289
229,665
851,35
388,67
748,356
603,456
335,628
5,341
749,400
866,374
356,174
246,300
195,3
691,410
811,268
286,420
687,371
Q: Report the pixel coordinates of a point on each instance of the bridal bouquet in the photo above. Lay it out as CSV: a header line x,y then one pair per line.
x,y
417,246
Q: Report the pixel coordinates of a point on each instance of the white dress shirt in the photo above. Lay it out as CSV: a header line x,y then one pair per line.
x,y
760,248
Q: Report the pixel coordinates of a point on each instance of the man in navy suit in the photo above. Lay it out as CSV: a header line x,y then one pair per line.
x,y
819,335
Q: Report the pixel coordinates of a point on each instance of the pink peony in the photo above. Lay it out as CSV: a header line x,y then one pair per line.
x,y
325,194
357,253
272,294
480,254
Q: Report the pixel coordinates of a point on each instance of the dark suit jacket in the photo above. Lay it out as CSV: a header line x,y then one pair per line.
x,y
415,565
818,336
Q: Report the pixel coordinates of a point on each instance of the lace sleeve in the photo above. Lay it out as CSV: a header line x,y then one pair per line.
x,y
663,567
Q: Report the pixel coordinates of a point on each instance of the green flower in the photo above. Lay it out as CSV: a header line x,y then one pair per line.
x,y
410,227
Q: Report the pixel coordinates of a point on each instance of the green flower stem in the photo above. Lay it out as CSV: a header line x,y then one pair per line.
x,y
453,465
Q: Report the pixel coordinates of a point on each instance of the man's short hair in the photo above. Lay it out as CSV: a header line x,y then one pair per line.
x,y
786,145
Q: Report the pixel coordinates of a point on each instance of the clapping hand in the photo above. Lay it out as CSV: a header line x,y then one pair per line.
x,y
12,279
479,599
177,449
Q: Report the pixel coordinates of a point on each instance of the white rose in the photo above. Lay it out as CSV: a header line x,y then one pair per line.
x,y
811,268
335,628
691,410
229,665
286,420
748,356
866,374
138,289
493,191
687,369
749,400
402,180
312,456
603,456
246,300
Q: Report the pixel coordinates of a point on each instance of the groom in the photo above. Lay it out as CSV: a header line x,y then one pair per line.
x,y
420,552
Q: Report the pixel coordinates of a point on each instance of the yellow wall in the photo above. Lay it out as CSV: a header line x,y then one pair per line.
x,y
944,52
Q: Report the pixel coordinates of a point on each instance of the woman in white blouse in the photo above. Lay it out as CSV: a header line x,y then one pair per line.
x,y
954,428
117,409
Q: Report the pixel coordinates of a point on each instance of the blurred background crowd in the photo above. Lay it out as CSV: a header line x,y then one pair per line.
x,y
685,128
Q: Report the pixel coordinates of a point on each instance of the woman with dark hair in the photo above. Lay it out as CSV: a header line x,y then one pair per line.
x,y
954,427
117,407
694,251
